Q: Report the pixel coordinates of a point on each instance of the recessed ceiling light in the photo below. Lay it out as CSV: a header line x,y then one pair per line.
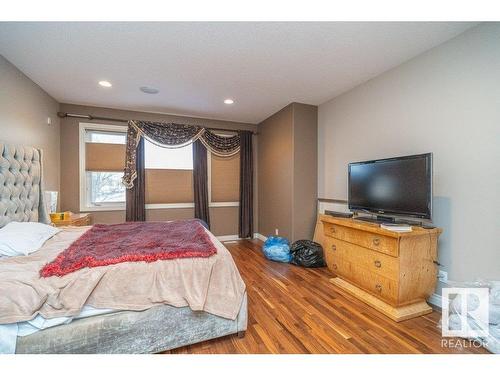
x,y
228,101
105,83
149,90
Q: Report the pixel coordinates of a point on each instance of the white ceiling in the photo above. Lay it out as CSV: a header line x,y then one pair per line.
x,y
262,66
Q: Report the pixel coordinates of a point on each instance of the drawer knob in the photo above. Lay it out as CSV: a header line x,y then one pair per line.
x,y
378,264
334,266
334,247
378,287
332,229
376,241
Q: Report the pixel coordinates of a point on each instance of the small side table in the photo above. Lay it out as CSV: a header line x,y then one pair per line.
x,y
76,220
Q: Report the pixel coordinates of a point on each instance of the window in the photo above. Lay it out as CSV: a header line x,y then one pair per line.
x,y
102,159
157,157
169,173
96,136
106,187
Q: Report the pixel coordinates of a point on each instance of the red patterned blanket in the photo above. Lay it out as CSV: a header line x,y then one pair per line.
x,y
103,245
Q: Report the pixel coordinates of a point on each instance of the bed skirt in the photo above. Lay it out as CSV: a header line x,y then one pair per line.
x,y
154,330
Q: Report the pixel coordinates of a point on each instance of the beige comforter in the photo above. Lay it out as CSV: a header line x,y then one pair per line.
x,y
209,284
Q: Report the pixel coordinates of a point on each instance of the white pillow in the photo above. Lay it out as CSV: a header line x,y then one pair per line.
x,y
24,238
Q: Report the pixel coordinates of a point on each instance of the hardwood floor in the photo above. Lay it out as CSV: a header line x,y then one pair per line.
x,y
297,310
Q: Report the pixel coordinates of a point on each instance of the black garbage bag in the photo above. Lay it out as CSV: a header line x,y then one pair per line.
x,y
307,253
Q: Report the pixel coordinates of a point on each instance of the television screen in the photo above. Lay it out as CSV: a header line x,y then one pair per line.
x,y
400,185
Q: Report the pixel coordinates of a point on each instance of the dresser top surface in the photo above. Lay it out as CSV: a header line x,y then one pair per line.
x,y
375,228
73,218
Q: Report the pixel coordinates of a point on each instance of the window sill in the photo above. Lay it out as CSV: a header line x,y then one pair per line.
x,y
102,208
157,206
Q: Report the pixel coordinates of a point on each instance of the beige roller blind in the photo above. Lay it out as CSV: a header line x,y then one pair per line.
x,y
225,178
169,186
105,157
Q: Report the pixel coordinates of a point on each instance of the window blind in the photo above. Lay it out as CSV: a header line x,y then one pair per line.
x,y
225,179
168,185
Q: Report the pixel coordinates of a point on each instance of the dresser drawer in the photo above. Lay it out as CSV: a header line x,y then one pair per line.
x,y
340,267
334,230
384,288
383,244
374,261
335,264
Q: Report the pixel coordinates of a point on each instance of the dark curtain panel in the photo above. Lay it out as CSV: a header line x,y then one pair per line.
x,y
200,182
136,196
246,185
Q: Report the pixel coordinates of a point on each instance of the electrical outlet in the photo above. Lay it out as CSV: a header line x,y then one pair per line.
x,y
443,276
277,232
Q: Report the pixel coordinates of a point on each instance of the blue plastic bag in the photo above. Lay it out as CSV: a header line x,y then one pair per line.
x,y
277,249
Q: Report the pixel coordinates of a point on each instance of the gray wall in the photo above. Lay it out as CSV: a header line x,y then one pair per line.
x,y
24,109
305,170
276,173
445,101
288,172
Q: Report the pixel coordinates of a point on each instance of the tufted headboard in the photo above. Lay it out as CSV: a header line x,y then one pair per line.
x,y
21,194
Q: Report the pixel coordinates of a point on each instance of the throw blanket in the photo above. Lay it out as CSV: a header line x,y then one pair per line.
x,y
104,245
210,284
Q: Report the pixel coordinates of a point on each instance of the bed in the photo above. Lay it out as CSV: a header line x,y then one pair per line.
x,y
170,316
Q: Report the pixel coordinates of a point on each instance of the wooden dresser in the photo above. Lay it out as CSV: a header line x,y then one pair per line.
x,y
393,272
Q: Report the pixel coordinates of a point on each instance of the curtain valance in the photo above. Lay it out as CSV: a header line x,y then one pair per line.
x,y
172,135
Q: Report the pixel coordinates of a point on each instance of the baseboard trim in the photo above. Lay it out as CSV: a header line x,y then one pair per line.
x,y
235,237
259,236
435,300
231,237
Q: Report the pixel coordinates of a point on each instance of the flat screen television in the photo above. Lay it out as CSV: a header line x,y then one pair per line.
x,y
396,186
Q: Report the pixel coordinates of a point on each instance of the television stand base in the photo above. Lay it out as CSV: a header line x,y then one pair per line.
x,y
393,220
377,219
397,313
